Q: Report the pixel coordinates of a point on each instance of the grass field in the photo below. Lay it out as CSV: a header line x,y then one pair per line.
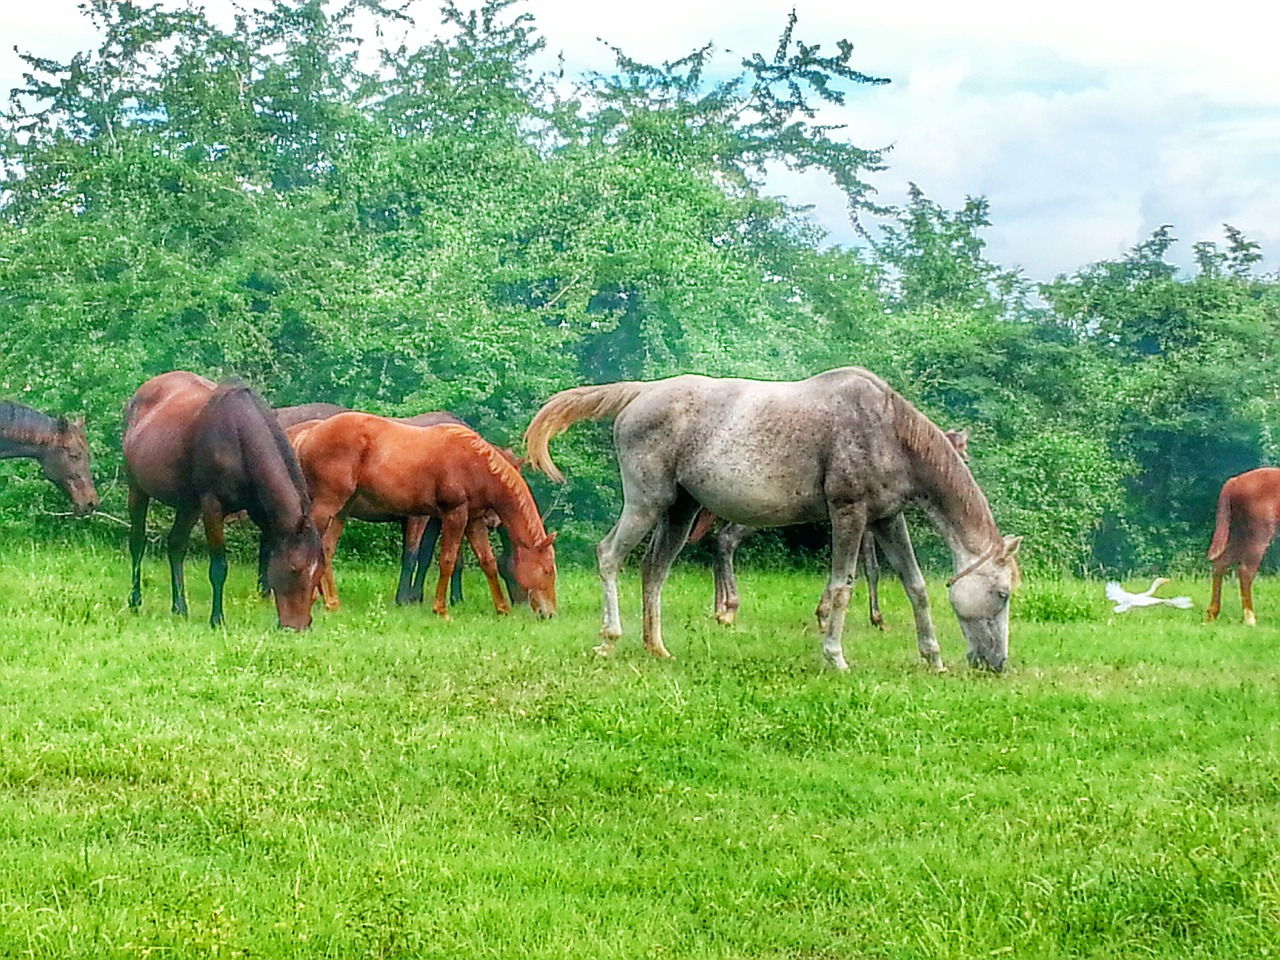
x,y
391,785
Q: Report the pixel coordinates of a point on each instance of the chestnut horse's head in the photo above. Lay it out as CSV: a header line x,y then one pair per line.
x,y
293,573
65,461
535,571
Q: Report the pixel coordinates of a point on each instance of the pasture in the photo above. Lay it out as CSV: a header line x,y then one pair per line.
x,y
390,785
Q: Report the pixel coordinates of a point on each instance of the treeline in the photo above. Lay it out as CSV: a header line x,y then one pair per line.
x,y
446,227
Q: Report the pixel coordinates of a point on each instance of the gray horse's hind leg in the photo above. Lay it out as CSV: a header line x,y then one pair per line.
x,y
848,522
630,529
727,542
871,570
895,541
669,538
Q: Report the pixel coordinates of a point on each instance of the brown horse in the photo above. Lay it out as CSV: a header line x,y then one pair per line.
x,y
208,451
731,535
841,445
419,535
449,472
1248,513
57,443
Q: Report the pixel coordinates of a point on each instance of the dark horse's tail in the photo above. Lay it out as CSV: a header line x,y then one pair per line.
x,y
568,407
1222,532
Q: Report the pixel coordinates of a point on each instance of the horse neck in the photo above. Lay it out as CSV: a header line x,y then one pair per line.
x,y
273,482
959,511
25,432
515,507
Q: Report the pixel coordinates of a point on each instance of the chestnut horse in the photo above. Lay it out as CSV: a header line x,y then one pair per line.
x,y
418,534
446,471
842,445
57,443
1248,513
731,535
208,451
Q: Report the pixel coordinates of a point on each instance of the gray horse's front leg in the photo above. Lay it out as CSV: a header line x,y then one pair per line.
x,y
630,529
847,526
895,541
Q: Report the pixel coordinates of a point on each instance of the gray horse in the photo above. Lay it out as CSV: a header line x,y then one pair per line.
x,y
841,446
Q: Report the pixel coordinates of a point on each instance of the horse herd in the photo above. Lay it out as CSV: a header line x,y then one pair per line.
x,y
841,447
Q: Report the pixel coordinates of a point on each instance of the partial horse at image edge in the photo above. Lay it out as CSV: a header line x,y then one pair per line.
x,y
58,444
1246,519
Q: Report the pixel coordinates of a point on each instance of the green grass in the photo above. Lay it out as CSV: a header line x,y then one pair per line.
x,y
391,785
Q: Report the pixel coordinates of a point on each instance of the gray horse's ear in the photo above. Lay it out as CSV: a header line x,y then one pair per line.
x,y
1011,545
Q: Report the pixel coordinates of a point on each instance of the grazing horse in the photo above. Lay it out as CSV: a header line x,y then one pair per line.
x,y
208,451
60,446
841,445
449,472
418,534
1248,513
731,536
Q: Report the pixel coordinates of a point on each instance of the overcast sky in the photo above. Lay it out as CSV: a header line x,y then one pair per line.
x,y
1086,125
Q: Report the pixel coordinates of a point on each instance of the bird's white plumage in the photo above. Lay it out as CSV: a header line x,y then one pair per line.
x,y
1124,600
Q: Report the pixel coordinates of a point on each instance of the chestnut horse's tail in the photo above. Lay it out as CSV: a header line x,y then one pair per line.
x,y
1222,532
568,407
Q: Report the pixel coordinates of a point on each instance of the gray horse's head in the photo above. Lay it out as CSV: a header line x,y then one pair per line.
x,y
980,596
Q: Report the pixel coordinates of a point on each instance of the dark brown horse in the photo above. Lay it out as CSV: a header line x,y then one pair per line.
x,y
1248,513
57,443
448,472
419,535
731,535
208,451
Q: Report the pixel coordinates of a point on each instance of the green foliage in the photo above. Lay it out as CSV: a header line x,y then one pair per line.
x,y
450,229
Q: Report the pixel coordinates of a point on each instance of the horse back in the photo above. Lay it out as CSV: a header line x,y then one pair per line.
x,y
1248,508
160,421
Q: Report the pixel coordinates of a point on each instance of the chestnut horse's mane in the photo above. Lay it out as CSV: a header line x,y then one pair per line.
x,y
503,470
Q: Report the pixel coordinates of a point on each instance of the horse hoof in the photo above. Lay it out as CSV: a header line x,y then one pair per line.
x,y
662,653
727,617
603,649
1250,619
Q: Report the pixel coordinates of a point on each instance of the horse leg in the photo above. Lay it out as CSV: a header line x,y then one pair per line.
x,y
478,537
871,570
184,519
328,582
455,581
848,522
138,503
630,529
214,535
453,525
895,541
411,529
426,550
1248,569
264,560
507,569
669,538
1220,567
727,541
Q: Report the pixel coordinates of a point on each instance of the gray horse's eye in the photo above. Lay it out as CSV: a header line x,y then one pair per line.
x,y
1003,595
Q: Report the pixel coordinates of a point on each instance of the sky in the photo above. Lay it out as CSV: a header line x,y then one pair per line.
x,y
1085,125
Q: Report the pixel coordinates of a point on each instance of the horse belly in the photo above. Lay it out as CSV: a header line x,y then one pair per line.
x,y
758,500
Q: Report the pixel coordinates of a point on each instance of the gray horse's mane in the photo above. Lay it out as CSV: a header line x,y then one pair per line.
x,y
942,463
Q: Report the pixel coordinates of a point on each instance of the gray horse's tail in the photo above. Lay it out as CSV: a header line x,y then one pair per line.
x,y
568,407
